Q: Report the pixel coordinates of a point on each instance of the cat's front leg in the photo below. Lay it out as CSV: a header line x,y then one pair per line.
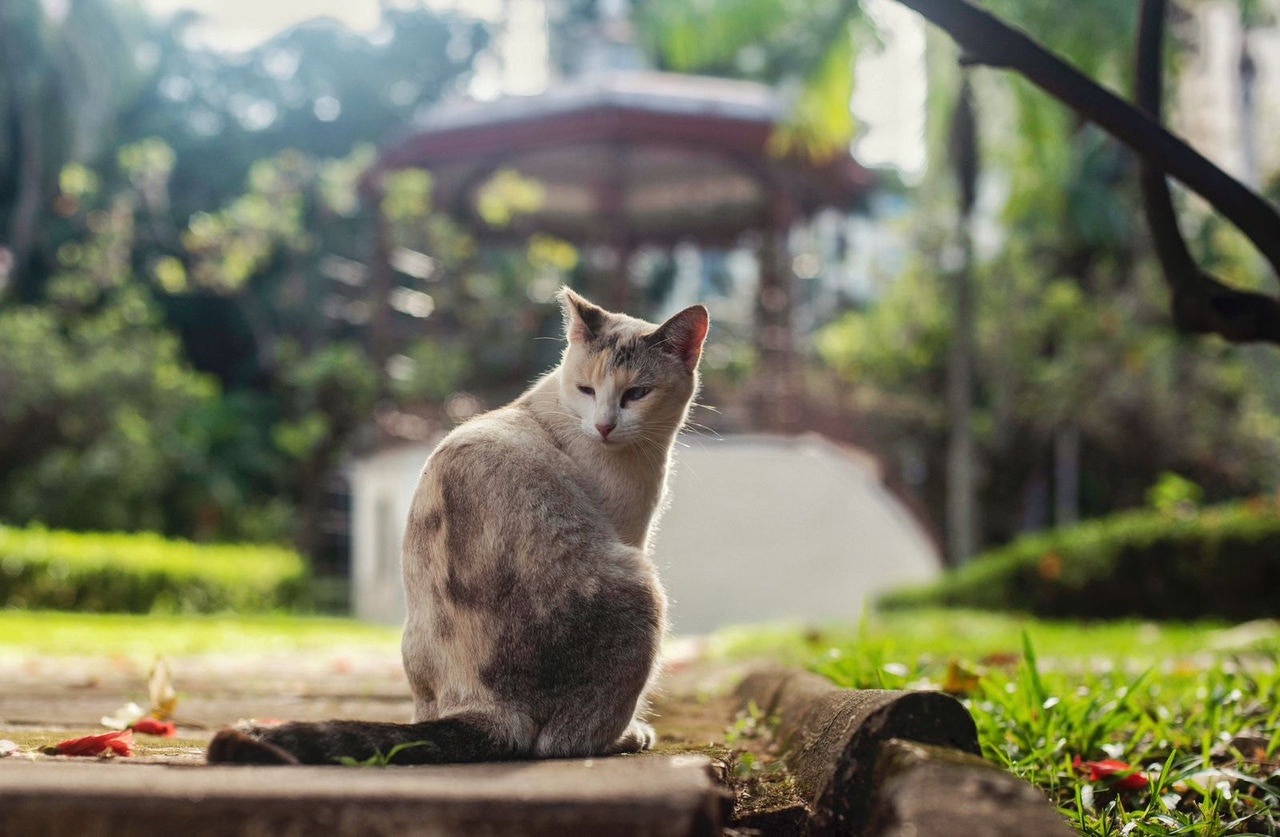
x,y
638,736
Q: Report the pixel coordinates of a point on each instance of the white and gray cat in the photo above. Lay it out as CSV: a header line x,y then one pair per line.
x,y
535,614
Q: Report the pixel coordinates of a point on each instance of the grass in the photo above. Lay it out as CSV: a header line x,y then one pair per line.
x,y
1193,708
57,634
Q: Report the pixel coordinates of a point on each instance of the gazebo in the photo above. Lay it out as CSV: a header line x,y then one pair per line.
x,y
625,158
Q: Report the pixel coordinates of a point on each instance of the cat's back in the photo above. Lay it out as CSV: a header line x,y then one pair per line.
x,y
498,482
507,443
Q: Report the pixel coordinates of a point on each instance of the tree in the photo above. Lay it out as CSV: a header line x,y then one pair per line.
x,y
317,88
806,46
1074,362
62,81
1200,302
96,396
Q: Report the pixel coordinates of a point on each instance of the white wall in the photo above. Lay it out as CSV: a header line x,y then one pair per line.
x,y
758,529
762,529
382,487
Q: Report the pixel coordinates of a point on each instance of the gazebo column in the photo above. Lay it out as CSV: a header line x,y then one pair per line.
x,y
381,281
620,293
612,196
779,387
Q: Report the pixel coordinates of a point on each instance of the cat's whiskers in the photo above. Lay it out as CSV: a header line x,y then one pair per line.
x,y
698,429
654,448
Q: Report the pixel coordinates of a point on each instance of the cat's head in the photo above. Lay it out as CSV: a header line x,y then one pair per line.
x,y
627,380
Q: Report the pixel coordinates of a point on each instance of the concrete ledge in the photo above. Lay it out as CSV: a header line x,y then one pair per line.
x,y
832,738
927,791
673,795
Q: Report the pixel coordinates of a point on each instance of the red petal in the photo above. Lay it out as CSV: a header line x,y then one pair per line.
x,y
153,726
1134,781
120,743
1126,776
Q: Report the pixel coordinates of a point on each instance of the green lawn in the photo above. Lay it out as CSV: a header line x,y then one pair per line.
x,y
1194,707
53,633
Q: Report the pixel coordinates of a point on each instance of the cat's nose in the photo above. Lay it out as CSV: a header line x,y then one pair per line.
x,y
605,429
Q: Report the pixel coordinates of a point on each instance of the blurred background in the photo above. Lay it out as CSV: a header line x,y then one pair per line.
x,y
255,258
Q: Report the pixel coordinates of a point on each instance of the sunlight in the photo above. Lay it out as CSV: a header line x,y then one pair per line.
x,y
237,25
890,95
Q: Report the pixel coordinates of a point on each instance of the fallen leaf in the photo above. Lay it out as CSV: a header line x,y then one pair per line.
x,y
1115,773
118,743
1001,659
959,680
164,699
154,726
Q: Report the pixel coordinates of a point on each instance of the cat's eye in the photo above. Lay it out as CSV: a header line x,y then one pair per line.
x,y
586,390
634,394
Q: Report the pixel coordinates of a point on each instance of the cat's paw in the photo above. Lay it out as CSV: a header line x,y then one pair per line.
x,y
241,746
638,736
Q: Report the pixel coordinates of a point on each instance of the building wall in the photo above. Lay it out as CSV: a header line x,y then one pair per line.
x,y
382,488
759,529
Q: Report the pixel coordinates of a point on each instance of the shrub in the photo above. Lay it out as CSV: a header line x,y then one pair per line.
x,y
1219,562
143,573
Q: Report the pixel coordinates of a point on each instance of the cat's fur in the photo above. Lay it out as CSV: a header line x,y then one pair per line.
x,y
534,613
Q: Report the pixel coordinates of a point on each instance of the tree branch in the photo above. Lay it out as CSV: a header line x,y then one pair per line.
x,y
1237,315
1201,304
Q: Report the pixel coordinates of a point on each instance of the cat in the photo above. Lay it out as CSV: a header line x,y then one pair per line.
x,y
534,612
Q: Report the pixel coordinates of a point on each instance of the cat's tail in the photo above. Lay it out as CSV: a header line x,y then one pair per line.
x,y
457,739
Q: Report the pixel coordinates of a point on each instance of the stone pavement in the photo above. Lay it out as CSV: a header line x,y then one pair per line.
x,y
807,759
655,796
165,788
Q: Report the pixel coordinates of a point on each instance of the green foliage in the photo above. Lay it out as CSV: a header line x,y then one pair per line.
x,y
406,195
899,345
1073,333
1221,562
434,372
804,45
506,196
188,211
1173,494
1067,339
1183,732
143,573
378,759
86,424
335,385
320,89
234,244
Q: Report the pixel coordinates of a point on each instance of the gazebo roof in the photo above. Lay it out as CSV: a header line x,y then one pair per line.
x,y
628,157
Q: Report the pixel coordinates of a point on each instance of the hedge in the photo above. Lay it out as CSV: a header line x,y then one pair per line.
x,y
1219,562
144,573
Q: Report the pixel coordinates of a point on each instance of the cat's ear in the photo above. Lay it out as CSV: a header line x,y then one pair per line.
x,y
583,320
682,335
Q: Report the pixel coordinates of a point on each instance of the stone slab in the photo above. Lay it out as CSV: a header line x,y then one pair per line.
x,y
924,791
656,796
831,737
